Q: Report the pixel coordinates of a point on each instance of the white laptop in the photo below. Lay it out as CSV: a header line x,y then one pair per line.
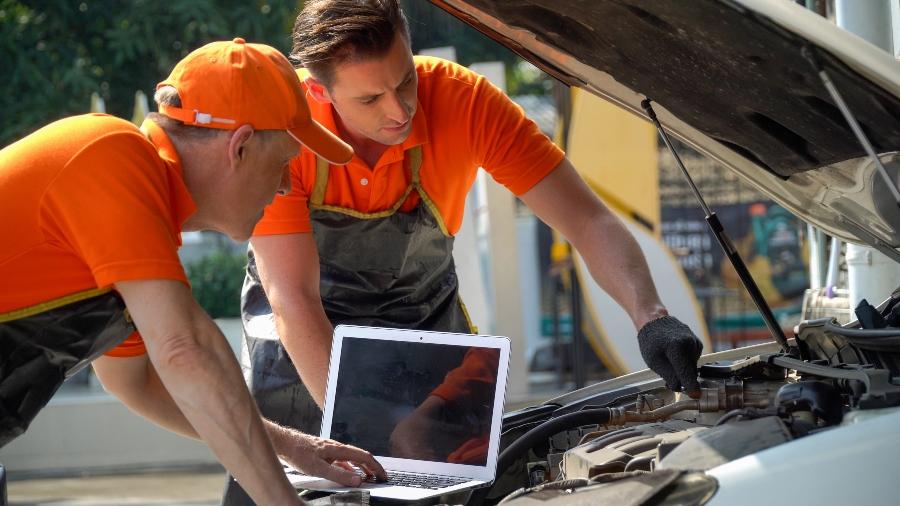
x,y
427,405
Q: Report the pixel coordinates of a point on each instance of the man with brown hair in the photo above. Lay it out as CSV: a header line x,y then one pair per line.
x,y
371,243
93,210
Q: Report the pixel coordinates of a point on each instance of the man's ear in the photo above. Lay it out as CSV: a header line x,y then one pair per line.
x,y
317,90
237,144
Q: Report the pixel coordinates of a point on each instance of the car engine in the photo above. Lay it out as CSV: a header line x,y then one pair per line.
x,y
655,445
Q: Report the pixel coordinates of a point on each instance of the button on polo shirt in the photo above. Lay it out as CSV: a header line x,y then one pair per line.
x,y
462,122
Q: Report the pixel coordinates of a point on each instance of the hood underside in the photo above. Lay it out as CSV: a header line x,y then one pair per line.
x,y
729,79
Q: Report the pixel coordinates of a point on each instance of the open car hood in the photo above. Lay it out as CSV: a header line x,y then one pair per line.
x,y
728,78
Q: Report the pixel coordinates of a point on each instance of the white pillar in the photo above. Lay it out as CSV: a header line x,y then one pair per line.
x,y
445,52
871,275
895,25
141,108
504,260
816,257
469,259
869,19
470,268
529,281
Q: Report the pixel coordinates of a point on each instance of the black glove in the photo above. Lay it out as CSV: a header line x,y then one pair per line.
x,y
671,349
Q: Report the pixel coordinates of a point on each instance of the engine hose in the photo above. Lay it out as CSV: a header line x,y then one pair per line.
x,y
873,334
543,431
521,446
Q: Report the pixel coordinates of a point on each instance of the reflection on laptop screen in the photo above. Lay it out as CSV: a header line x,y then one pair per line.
x,y
415,400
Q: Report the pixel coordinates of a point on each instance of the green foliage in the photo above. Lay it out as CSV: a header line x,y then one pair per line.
x,y
55,53
431,26
216,282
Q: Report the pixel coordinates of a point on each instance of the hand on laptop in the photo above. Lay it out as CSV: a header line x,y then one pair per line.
x,y
325,458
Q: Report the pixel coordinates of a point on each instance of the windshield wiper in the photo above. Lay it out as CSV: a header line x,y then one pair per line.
x,y
810,54
724,241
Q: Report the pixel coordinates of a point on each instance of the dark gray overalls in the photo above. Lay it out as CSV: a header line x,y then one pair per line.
x,y
43,345
386,269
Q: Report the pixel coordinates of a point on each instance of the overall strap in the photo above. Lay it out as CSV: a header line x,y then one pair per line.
x,y
413,161
318,193
414,157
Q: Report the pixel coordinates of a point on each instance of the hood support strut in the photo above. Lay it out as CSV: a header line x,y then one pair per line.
x,y
809,53
724,241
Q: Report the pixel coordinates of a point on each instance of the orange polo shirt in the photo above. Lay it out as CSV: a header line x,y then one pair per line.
x,y
473,378
462,122
88,201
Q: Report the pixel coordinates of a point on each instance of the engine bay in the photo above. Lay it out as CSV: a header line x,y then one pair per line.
x,y
654,446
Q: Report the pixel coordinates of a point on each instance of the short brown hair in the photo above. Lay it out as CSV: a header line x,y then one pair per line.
x,y
329,32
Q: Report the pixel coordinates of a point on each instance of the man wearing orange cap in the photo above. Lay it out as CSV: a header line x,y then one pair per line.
x,y
92,213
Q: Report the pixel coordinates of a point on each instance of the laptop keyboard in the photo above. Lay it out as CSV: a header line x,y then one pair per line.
x,y
415,480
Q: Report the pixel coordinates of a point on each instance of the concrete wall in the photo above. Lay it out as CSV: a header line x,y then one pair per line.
x,y
91,431
97,432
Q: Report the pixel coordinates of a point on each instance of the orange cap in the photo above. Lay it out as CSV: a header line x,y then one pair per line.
x,y
229,84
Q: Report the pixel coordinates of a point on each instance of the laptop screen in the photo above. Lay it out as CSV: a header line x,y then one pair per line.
x,y
416,400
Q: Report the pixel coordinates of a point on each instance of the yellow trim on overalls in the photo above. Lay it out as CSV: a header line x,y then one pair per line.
x,y
43,307
413,162
462,305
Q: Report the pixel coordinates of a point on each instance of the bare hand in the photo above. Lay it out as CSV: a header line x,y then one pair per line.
x,y
325,458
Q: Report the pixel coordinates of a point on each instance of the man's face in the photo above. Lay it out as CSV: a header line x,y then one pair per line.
x,y
375,98
263,172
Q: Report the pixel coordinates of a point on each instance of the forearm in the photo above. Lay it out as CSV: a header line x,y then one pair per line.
x,y
144,393
285,440
164,410
617,264
306,334
288,267
135,382
198,369
205,383
614,259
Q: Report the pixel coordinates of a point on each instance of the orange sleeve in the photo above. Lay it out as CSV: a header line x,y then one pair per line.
x,y
478,368
288,214
132,346
111,204
508,144
472,452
